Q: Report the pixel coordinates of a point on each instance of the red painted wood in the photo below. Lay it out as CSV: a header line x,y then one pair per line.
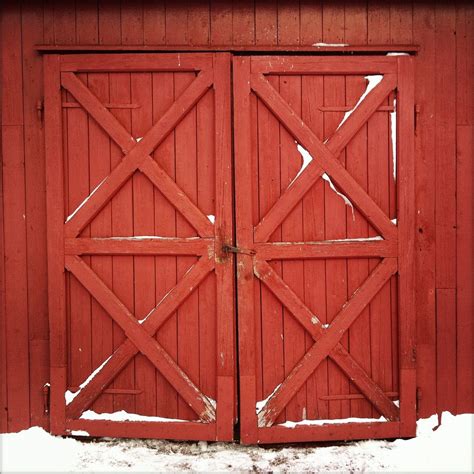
x,y
56,280
290,401
35,207
425,173
184,371
386,25
465,283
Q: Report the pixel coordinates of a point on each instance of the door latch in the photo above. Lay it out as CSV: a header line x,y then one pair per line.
x,y
226,248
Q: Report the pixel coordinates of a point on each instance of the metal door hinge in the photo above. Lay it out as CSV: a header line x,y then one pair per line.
x,y
226,248
40,110
417,116
46,397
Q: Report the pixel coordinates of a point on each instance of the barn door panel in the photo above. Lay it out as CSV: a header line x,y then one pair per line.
x,y
139,200
324,196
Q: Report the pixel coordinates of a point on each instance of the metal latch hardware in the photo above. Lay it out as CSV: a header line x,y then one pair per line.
x,y
226,248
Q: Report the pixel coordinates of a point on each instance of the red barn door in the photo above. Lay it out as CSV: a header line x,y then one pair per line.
x,y
324,211
139,208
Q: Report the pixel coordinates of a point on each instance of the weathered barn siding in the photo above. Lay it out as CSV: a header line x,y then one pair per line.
x,y
444,172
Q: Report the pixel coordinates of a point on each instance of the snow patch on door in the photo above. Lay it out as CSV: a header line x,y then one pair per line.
x,y
373,81
261,403
341,195
122,415
85,200
70,396
294,424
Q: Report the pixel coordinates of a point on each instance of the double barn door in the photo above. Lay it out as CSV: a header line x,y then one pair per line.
x,y
230,245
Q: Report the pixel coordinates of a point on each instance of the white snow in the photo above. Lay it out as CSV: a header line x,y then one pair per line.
x,y
261,403
393,135
395,53
307,159
85,200
70,396
138,139
448,449
343,196
122,415
373,81
332,45
212,218
394,221
294,424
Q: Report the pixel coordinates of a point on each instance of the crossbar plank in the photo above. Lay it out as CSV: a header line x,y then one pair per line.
x,y
327,340
136,153
326,249
142,339
288,65
138,246
323,160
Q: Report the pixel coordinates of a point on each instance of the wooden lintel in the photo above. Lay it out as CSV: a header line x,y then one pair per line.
x,y
359,49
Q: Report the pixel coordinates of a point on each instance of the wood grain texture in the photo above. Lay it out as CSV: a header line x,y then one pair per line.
x,y
442,252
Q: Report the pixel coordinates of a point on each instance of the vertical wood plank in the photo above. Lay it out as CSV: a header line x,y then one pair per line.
x,y
406,246
311,22
55,242
424,34
446,352
465,283
165,225
176,24
16,296
401,22
122,225
188,314
198,24
99,168
288,24
131,19
269,188
110,27
244,233
445,151
154,22
143,224
266,20
292,230
35,175
243,23
464,207
226,337
355,21
64,18
87,22
313,227
221,22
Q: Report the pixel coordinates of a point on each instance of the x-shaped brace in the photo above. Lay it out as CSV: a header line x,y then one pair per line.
x,y
140,338
326,340
137,155
324,157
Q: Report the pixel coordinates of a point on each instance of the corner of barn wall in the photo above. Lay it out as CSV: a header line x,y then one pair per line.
x,y
443,163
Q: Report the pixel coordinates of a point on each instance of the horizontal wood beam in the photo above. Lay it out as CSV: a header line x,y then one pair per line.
x,y
363,48
138,246
326,249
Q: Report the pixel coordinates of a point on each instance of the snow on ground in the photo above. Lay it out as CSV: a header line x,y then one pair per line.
x,y
448,449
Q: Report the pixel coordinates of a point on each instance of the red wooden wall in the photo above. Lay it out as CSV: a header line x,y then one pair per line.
x,y
444,173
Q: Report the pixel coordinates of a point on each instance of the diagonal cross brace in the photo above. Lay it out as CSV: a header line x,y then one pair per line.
x,y
326,340
140,338
324,157
137,155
